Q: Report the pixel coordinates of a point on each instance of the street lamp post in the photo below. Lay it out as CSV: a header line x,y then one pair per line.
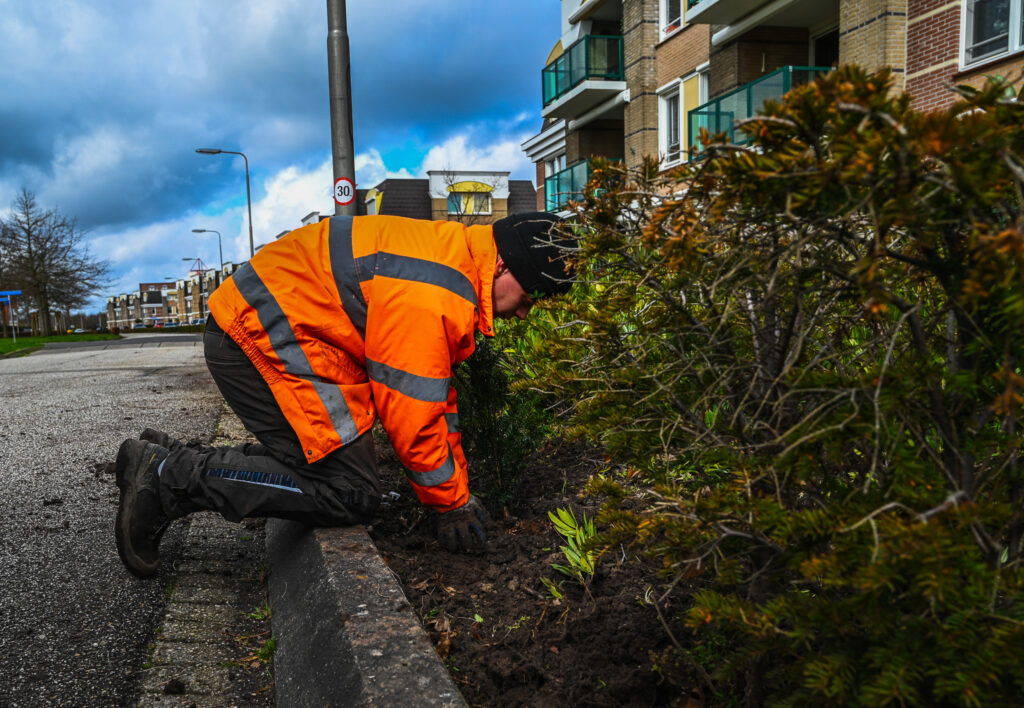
x,y
248,196
339,77
219,247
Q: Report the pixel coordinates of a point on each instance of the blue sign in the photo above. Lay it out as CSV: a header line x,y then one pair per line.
x,y
10,292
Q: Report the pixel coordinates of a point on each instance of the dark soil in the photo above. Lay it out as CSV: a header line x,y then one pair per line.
x,y
505,638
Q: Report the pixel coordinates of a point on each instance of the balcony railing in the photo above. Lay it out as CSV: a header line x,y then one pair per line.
x,y
566,186
720,115
592,57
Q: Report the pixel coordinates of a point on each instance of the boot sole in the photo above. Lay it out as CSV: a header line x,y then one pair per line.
x,y
126,503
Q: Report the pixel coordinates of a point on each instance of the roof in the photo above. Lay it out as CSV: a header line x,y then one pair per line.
x,y
401,197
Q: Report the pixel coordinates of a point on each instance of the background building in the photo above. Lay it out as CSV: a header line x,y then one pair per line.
x,y
469,196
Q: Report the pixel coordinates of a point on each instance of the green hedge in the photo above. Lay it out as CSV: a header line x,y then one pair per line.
x,y
808,348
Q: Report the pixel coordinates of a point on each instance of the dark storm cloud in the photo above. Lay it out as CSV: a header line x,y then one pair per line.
x,y
104,103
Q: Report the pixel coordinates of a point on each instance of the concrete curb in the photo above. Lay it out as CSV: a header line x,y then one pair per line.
x,y
346,634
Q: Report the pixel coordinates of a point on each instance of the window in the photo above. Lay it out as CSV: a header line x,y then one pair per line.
x,y
669,134
469,203
554,165
671,16
992,28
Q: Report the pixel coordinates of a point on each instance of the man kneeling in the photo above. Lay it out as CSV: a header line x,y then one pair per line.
x,y
323,331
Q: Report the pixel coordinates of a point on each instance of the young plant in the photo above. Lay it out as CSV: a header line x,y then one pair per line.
x,y
581,561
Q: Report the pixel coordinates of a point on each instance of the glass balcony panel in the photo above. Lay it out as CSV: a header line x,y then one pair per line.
x,y
720,114
592,57
566,186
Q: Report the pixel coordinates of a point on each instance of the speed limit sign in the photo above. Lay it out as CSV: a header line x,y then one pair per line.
x,y
344,191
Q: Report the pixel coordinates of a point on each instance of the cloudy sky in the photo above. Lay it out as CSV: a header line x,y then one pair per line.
x,y
103,103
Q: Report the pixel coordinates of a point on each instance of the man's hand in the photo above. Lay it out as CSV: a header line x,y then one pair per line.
x,y
463,529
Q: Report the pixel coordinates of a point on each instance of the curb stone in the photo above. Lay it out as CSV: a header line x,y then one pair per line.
x,y
347,635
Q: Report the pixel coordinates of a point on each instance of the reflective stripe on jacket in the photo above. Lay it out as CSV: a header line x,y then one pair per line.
x,y
356,317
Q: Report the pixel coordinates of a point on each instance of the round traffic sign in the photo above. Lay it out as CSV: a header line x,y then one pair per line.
x,y
344,191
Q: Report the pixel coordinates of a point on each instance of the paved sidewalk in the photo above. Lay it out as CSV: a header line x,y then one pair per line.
x,y
206,650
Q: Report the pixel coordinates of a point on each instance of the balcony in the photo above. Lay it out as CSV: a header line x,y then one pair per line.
x,y
741,15
566,186
589,72
719,115
719,12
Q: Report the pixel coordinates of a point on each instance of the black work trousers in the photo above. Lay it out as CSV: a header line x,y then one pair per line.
x,y
272,478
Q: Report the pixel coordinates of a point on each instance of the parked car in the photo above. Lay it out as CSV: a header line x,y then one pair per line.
x,y
168,325
79,331
138,325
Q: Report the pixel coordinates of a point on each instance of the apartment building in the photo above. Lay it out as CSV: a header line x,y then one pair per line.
x,y
617,84
469,196
634,78
176,302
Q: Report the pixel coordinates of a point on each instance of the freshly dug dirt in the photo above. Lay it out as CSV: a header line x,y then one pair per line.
x,y
505,638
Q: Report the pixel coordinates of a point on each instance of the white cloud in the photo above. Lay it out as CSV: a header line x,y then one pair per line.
x,y
456,153
291,194
371,170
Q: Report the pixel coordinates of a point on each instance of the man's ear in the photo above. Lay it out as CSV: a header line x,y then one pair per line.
x,y
500,268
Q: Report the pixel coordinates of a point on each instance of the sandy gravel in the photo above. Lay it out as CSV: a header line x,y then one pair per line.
x,y
74,623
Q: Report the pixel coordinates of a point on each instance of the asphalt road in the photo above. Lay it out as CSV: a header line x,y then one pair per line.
x,y
74,624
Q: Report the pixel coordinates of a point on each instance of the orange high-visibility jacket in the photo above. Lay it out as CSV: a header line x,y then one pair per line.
x,y
356,317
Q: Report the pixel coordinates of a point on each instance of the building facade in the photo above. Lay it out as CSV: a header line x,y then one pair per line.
x,y
628,79
169,303
469,196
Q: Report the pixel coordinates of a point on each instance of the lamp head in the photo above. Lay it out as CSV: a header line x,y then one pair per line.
x,y
209,151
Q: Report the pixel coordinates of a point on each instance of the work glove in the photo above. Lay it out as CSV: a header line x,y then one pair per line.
x,y
463,529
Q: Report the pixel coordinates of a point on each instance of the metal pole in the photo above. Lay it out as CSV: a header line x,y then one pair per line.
x,y
340,79
248,199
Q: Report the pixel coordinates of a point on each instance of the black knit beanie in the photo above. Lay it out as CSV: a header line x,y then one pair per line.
x,y
535,257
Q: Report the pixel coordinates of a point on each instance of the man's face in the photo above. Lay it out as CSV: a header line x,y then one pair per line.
x,y
510,300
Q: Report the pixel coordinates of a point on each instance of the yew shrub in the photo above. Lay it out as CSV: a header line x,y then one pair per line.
x,y
807,348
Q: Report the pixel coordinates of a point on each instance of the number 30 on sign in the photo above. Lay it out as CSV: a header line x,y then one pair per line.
x,y
344,191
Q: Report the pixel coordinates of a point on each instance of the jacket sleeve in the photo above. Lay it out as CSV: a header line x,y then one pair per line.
x,y
412,339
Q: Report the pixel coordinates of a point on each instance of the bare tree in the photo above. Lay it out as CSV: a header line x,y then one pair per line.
x,y
47,259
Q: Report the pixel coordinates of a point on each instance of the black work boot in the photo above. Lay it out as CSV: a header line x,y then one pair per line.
x,y
141,520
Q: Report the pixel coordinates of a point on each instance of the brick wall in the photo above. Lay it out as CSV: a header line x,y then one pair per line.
x,y
682,53
541,176
873,34
760,51
640,34
599,137
933,48
933,55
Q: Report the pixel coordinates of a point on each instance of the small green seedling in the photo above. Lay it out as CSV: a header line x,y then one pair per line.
x,y
581,563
